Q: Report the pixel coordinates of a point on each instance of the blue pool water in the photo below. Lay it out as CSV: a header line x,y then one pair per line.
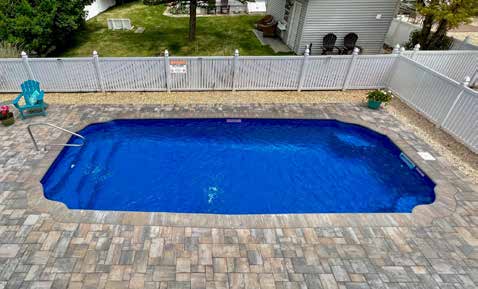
x,y
255,166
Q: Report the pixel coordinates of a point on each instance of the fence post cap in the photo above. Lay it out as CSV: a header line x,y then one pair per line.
x,y
166,52
356,51
95,53
467,39
307,50
236,52
24,54
417,47
396,49
402,49
466,81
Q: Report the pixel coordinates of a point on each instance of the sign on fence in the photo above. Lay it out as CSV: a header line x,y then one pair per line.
x,y
178,66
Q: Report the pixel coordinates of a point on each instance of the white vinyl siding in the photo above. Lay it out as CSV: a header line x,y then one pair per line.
x,y
344,16
97,7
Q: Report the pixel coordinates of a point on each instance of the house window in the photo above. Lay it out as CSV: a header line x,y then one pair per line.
x,y
288,7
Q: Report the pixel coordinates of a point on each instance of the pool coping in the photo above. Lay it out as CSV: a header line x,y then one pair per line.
x,y
444,205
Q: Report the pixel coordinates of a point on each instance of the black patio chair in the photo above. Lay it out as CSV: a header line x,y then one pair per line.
x,y
225,9
328,44
350,41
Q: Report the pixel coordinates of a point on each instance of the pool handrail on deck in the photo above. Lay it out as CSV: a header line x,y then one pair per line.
x,y
35,143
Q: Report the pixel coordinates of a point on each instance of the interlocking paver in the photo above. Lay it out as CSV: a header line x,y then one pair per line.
x,y
9,250
38,250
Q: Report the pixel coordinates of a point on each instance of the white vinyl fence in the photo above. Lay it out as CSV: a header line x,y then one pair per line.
x,y
427,81
198,73
449,104
453,63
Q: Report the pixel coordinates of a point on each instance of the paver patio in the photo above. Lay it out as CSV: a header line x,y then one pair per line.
x,y
39,250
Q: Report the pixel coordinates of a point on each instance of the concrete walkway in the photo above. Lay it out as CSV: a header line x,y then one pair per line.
x,y
275,43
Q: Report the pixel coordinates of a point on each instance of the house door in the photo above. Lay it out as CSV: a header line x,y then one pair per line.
x,y
294,24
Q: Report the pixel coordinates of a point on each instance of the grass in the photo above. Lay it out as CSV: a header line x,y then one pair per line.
x,y
215,35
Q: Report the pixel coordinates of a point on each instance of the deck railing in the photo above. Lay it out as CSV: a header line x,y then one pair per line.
x,y
427,81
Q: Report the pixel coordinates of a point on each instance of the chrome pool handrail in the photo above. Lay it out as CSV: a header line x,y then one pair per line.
x,y
35,143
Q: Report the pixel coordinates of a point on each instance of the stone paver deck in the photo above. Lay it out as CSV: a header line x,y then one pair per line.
x,y
41,248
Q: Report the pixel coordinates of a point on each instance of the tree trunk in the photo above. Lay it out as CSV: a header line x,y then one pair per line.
x,y
439,36
192,19
426,31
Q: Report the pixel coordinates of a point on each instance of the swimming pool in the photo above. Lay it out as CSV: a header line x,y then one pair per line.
x,y
236,166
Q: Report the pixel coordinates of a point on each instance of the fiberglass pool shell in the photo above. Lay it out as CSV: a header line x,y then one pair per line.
x,y
246,166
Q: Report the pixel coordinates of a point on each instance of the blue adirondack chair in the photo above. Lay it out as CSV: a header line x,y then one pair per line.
x,y
34,104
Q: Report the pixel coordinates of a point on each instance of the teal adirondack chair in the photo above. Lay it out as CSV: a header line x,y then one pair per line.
x,y
33,96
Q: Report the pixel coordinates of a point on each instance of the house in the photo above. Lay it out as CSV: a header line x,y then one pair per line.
x,y
304,22
97,7
239,6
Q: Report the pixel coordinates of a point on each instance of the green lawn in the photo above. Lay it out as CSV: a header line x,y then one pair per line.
x,y
215,35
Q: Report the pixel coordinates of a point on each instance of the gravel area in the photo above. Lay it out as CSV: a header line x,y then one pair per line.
x,y
206,97
451,150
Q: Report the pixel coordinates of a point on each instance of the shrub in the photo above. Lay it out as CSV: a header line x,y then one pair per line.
x,y
416,38
41,26
380,95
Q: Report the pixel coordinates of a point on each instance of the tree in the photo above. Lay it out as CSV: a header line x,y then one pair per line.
x,y
192,19
41,25
444,15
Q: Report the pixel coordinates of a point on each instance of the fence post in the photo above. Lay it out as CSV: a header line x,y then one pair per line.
x,y
300,81
474,78
351,68
396,52
465,84
167,70
26,64
396,49
99,78
235,65
415,51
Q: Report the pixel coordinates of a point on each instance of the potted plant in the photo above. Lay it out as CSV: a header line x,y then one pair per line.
x,y
376,97
6,116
